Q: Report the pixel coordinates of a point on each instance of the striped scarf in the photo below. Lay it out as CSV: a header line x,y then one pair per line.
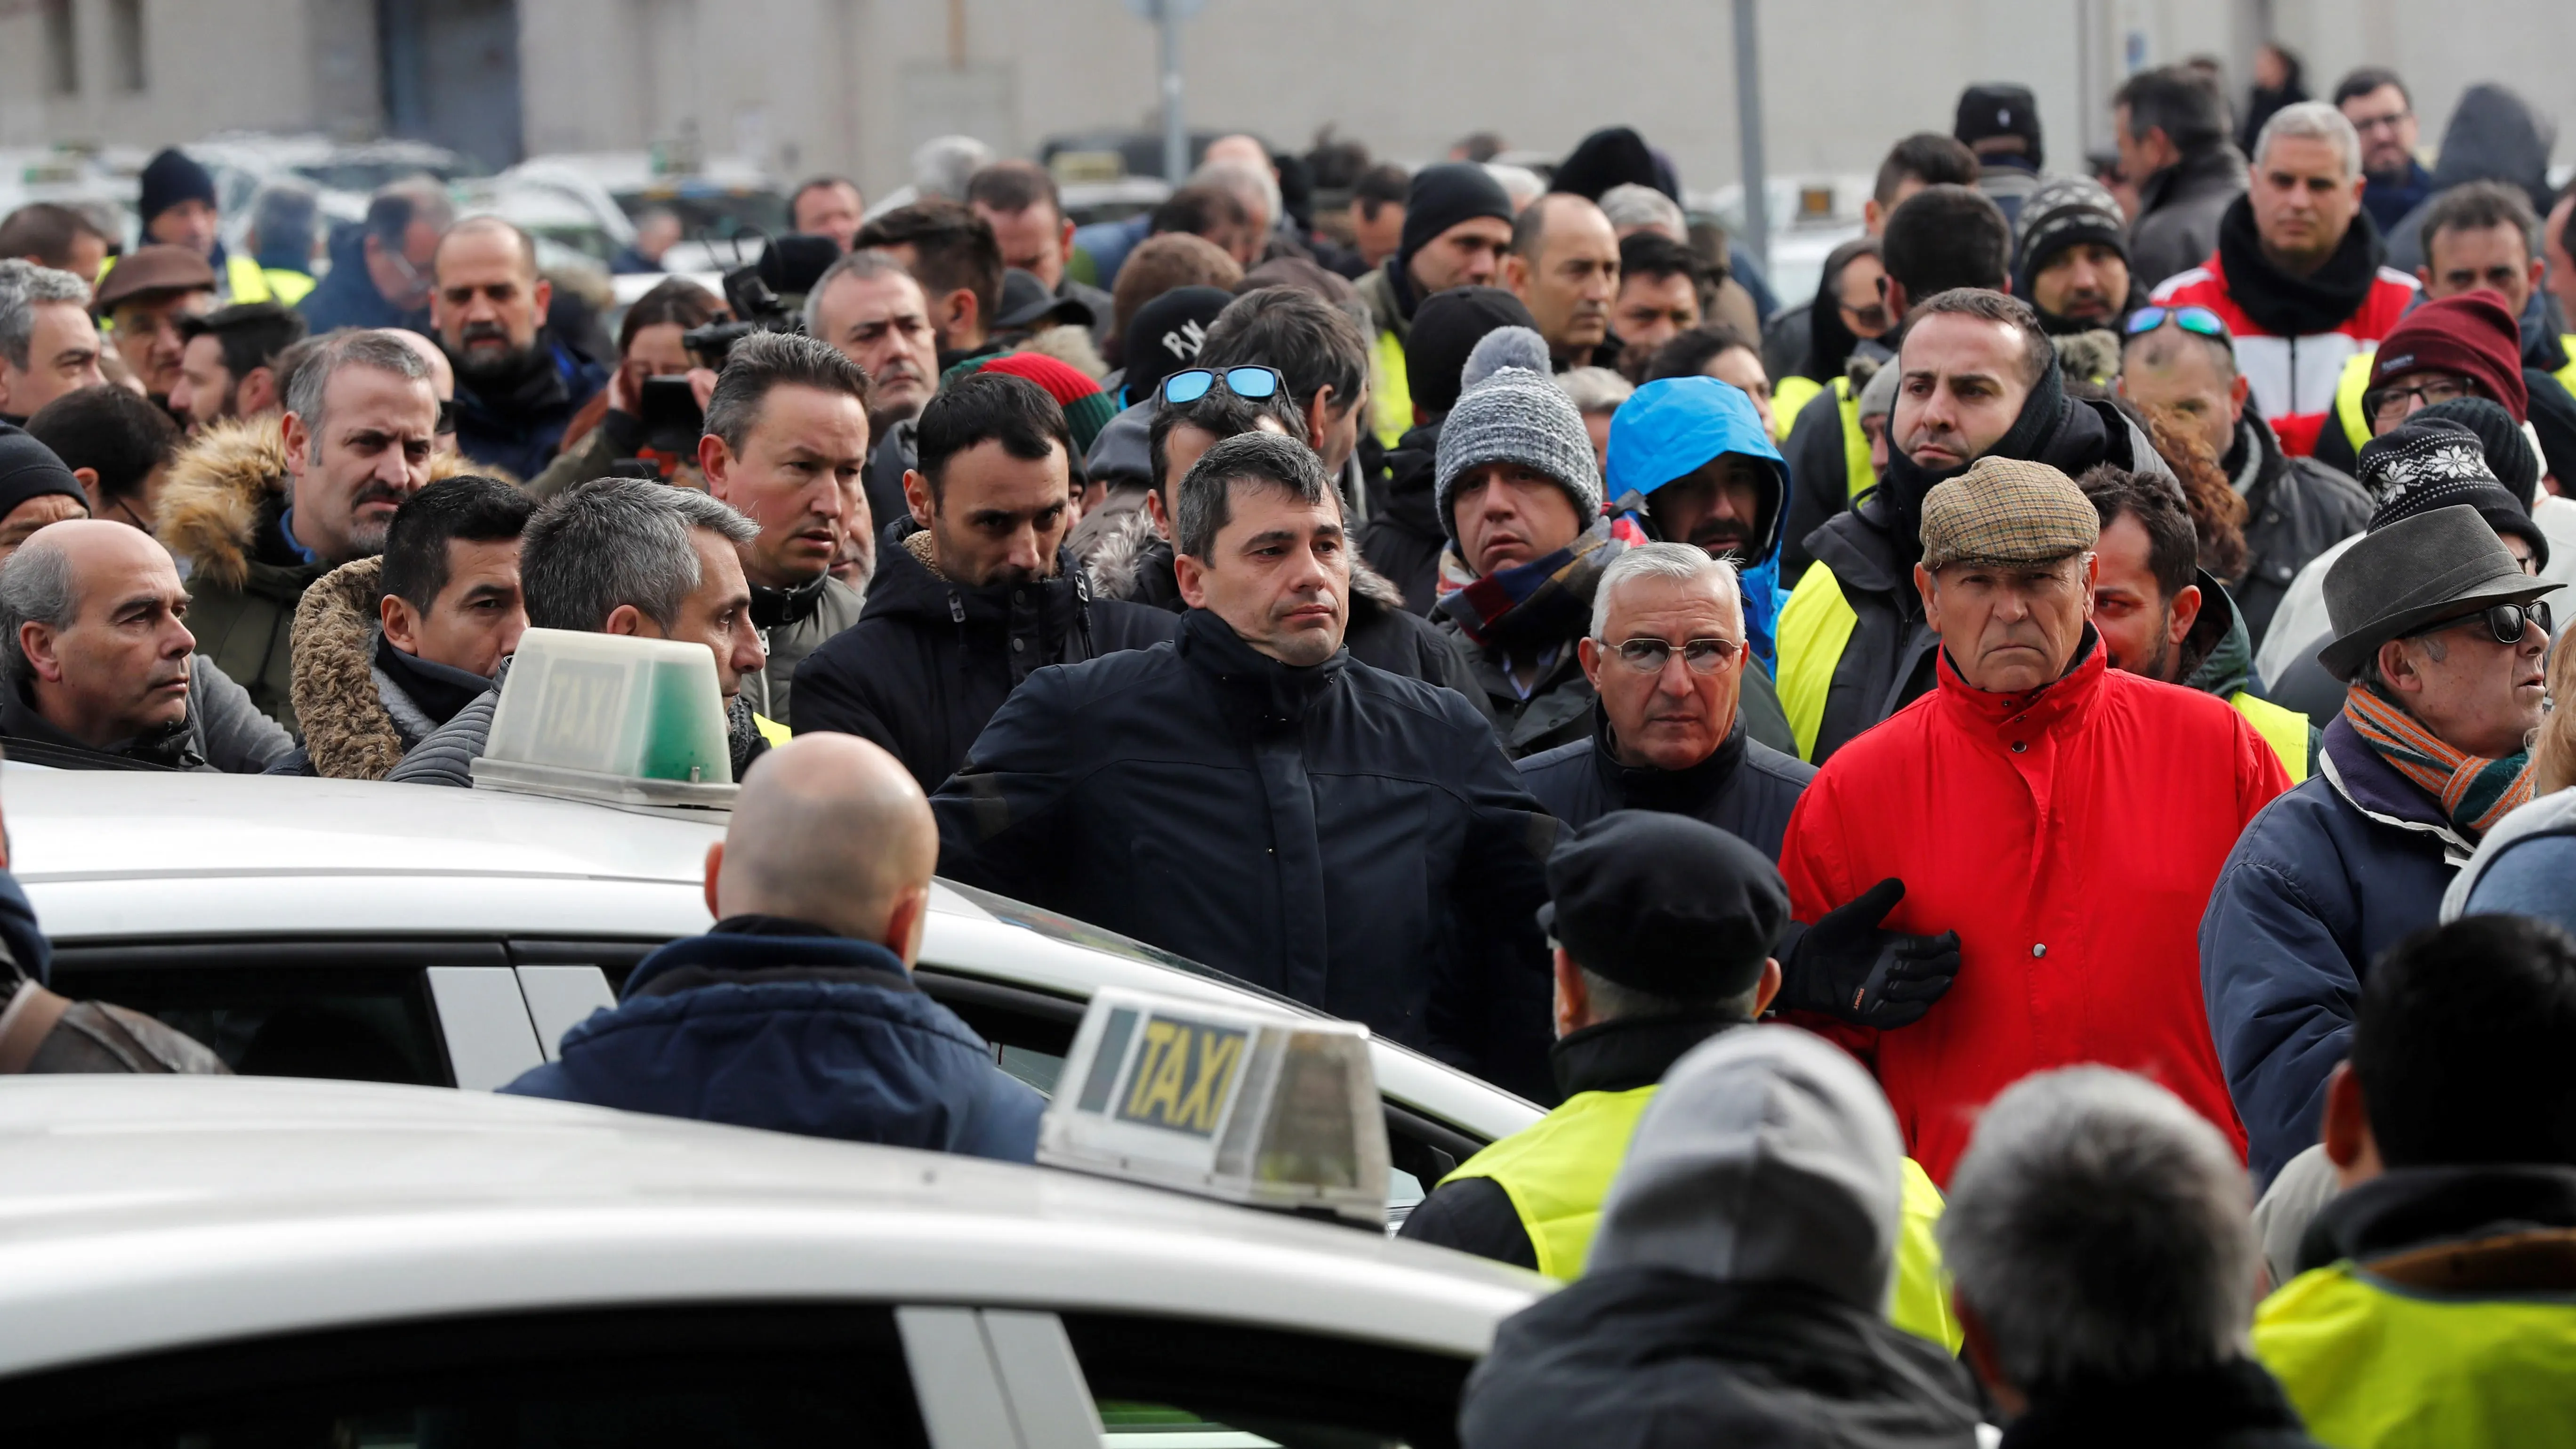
x,y
1536,605
2475,792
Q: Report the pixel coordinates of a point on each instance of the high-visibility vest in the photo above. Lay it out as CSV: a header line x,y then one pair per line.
x,y
2285,730
1814,626
1558,1171
1390,394
1789,397
2373,1362
771,730
2349,390
2567,375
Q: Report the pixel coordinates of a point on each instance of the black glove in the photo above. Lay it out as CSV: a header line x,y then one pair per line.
x,y
1848,968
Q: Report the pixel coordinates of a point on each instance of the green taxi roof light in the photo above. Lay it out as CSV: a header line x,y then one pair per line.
x,y
610,717
1268,1111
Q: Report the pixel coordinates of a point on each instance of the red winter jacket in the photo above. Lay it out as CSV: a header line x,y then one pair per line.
x,y
2293,378
2071,836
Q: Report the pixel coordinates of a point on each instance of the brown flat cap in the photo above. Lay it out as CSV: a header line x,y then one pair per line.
x,y
2004,511
156,268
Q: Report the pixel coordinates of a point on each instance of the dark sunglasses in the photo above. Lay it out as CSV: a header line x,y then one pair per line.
x,y
2504,621
2189,319
1192,383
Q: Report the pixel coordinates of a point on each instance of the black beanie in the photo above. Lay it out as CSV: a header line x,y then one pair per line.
x,y
171,178
1446,327
2553,417
1616,156
2509,454
29,469
1442,196
2429,462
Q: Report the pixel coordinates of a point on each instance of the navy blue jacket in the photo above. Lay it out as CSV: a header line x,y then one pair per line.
x,y
1337,834
1746,788
522,430
2326,878
777,1024
347,297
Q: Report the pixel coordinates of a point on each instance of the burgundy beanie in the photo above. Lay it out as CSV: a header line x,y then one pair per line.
x,y
2471,334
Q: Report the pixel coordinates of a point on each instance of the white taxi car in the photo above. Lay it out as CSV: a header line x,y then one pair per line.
x,y
210,1262
405,934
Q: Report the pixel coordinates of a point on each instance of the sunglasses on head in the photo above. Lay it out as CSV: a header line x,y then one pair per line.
x,y
2189,319
1192,383
2504,621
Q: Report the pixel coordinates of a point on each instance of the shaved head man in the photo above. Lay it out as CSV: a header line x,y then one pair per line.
x,y
100,662
797,1012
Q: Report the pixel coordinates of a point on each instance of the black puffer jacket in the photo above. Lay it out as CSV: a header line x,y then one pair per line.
x,y
1746,788
1337,834
2295,509
930,660
1403,539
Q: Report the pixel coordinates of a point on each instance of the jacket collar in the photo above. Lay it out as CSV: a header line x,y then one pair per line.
x,y
2218,650
1048,609
1282,692
171,748
2288,306
1621,1056
1686,791
2372,786
2060,705
2220,165
543,384
761,943
2408,1207
773,608
437,690
2197,1406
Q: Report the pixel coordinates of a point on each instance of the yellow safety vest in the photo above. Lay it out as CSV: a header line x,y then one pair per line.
x,y
246,281
1789,397
771,730
2373,1364
2567,375
1860,476
1814,626
2348,394
2285,730
1558,1171
1392,395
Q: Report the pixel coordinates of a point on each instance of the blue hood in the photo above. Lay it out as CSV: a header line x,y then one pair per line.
x,y
1673,427
808,1034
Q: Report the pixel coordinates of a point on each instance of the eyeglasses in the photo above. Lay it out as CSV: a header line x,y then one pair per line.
x,y
1192,383
2388,405
1704,656
2504,621
2189,319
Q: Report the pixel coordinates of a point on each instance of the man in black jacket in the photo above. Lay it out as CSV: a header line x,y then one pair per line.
x,y
1135,557
973,592
1667,656
1404,537
1252,797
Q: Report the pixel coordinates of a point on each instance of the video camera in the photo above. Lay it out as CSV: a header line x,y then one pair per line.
x,y
672,420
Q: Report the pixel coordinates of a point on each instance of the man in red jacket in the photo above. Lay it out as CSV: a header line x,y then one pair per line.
x,y
2298,274
2066,819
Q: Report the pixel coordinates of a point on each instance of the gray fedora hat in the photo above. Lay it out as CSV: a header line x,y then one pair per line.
x,y
2410,573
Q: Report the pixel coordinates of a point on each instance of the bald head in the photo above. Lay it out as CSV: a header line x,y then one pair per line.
x,y
830,829
442,376
90,623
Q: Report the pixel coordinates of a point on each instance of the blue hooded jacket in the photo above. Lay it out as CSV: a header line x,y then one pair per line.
x,y
1673,427
776,1024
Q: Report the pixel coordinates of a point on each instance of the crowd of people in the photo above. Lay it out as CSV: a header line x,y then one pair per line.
x,y
2059,718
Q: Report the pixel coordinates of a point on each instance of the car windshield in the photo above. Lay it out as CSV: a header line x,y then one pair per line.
x,y
1081,933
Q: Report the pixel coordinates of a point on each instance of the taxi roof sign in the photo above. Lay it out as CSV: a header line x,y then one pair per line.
x,y
612,718
1269,1111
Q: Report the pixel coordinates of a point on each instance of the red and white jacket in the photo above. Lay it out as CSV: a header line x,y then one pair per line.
x,y
2293,378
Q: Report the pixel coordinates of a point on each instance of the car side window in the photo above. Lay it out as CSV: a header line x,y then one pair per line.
x,y
1153,1378
276,1012
741,1377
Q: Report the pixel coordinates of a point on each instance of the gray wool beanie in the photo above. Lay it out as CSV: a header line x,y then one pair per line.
x,y
1517,415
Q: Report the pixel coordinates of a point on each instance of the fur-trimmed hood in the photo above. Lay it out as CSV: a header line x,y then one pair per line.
x,y
221,485
1128,547
348,733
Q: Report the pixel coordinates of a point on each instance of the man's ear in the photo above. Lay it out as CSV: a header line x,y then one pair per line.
x,y
402,629
1587,652
1516,275
904,924
2186,612
2346,1129
1158,515
88,478
1768,988
543,295
1573,1003
1929,587
1191,575
36,642
716,461
1319,411
2237,393
962,310
299,443
258,390
916,496
2398,670
629,620
2424,279
715,869
1892,292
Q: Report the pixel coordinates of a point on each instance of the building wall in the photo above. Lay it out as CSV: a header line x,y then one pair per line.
x,y
205,65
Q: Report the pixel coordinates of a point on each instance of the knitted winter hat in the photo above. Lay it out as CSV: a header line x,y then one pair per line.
x,y
2427,463
1516,415
1446,327
172,177
2471,334
2508,448
1086,408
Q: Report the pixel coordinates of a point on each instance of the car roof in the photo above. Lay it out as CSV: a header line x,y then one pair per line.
x,y
138,856
148,1212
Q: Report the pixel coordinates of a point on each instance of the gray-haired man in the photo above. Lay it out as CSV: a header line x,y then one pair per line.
x,y
1251,796
2080,1186
259,509
48,345
626,556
